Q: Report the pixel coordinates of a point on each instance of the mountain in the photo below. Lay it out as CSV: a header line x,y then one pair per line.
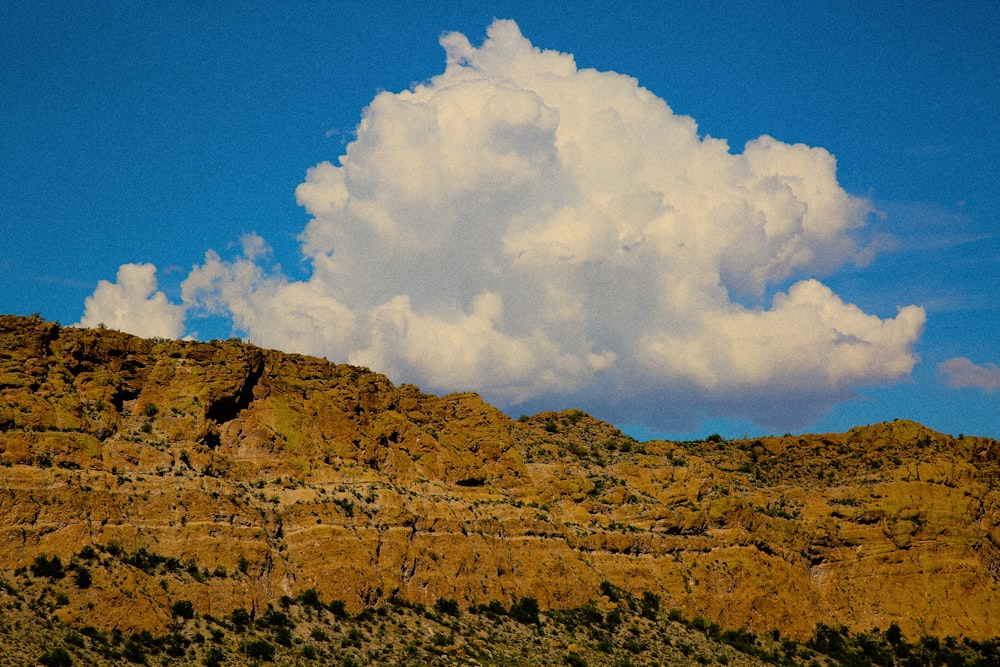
x,y
228,477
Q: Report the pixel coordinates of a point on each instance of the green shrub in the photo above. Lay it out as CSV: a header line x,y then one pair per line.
x,y
894,635
741,640
57,657
283,636
353,638
494,608
590,614
134,652
259,649
650,605
81,577
273,618
338,608
240,618
525,611
196,572
310,598
214,657
345,505
182,609
48,567
441,639
447,606
634,645
112,548
147,561
610,591
177,644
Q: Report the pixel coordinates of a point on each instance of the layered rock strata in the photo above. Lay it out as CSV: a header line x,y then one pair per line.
x,y
267,474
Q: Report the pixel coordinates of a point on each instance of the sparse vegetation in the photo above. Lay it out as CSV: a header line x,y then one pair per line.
x,y
203,495
633,632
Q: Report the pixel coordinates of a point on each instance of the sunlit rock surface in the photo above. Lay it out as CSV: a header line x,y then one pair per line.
x,y
250,474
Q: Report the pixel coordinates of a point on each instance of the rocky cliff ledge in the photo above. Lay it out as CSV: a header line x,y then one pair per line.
x,y
228,476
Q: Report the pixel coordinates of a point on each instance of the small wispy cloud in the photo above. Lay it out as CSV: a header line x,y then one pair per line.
x,y
961,372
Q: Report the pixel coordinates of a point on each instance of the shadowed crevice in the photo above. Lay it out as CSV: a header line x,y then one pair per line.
x,y
228,407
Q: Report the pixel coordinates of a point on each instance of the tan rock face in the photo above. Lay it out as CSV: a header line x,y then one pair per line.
x,y
261,474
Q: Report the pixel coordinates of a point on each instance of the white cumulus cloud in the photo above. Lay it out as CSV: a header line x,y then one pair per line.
x,y
962,372
556,236
133,304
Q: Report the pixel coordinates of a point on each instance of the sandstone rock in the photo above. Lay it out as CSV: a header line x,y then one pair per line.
x,y
257,474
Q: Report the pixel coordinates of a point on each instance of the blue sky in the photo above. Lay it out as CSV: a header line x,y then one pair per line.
x,y
565,268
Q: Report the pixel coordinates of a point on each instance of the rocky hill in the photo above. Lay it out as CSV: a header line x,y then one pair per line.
x,y
229,477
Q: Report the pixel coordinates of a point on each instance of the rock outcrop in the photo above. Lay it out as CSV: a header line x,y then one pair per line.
x,y
258,474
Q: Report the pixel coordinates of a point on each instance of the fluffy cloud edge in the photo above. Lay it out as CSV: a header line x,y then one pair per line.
x,y
527,229
133,304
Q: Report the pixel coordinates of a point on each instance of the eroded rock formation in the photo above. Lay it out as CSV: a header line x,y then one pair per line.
x,y
268,473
